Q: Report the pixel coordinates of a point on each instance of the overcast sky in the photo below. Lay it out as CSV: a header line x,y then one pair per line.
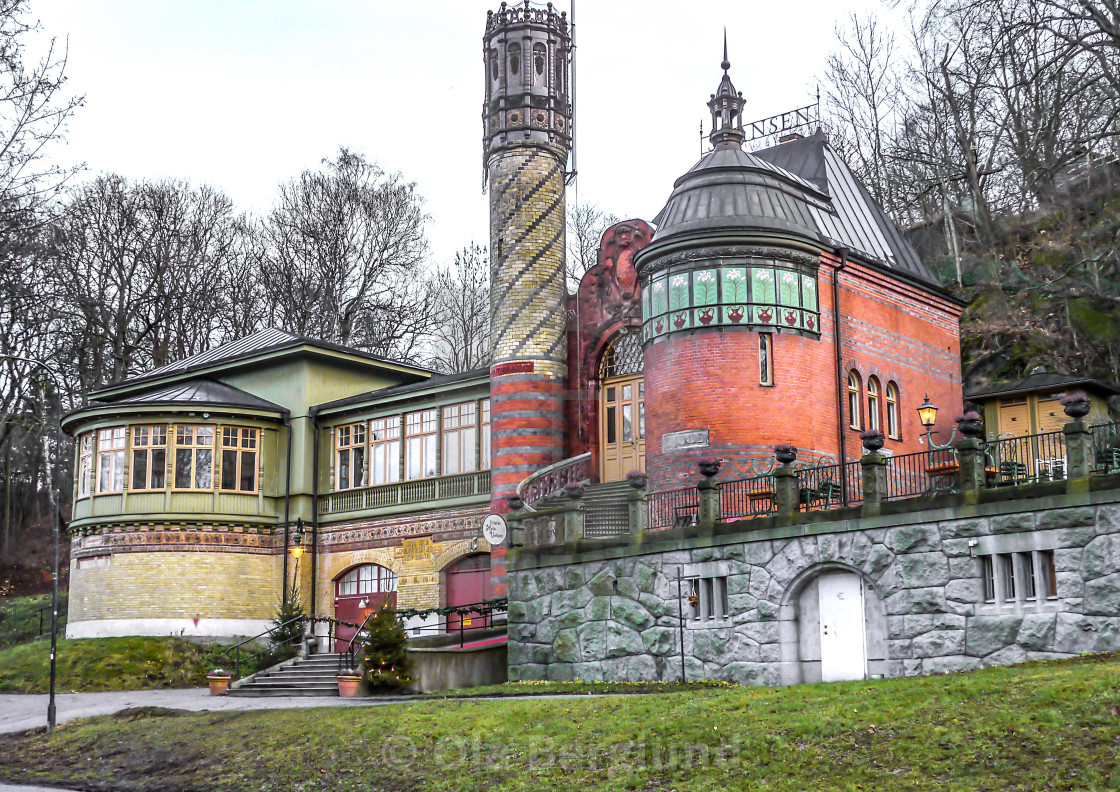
x,y
243,94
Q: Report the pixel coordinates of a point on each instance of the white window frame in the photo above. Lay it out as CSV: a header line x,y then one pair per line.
x,y
192,433
421,439
246,443
112,452
484,450
385,450
85,464
460,438
894,429
155,439
350,443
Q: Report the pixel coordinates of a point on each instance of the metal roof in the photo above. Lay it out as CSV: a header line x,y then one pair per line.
x,y
268,340
200,392
1043,380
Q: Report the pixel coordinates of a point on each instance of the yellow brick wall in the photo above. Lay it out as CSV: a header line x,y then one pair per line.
x,y
177,585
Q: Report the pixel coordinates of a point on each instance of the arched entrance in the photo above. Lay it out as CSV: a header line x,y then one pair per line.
x,y
622,409
468,583
358,593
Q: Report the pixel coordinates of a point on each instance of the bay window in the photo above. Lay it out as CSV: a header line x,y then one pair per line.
x,y
110,459
459,432
239,458
350,456
194,457
149,457
420,444
85,465
385,450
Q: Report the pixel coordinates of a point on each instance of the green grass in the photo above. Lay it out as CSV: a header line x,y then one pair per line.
x,y
1038,726
19,618
578,688
99,664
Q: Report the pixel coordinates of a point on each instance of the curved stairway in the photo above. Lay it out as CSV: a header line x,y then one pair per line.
x,y
606,510
311,676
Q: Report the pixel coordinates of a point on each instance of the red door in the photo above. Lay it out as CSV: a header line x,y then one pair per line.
x,y
359,593
468,582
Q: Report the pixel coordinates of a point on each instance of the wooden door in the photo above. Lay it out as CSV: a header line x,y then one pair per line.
x,y
622,427
1014,417
358,593
1051,416
468,582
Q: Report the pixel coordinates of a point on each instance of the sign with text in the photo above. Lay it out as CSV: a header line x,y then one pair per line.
x,y
682,441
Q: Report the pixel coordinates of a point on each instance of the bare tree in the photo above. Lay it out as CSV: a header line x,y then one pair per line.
x,y
461,329
586,224
344,247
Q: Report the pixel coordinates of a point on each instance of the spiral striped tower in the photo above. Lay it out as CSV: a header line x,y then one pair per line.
x,y
526,138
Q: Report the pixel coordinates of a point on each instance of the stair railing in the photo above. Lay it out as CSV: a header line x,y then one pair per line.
x,y
351,647
238,656
552,479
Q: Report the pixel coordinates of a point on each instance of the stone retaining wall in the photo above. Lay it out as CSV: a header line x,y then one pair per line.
x,y
610,610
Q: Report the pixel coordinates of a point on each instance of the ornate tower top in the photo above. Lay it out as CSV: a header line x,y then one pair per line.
x,y
726,105
527,90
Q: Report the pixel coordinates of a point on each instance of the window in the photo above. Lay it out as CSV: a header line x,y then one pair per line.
x,y
1030,585
854,400
988,573
484,452
1007,575
420,444
872,403
85,465
514,58
110,459
367,579
765,359
1049,573
239,459
385,450
892,411
103,561
708,598
460,428
149,457
194,457
350,456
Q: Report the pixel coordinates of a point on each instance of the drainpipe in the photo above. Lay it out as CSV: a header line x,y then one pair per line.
x,y
313,415
843,253
287,506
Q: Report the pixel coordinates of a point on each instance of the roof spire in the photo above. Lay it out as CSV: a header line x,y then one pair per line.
x,y
726,105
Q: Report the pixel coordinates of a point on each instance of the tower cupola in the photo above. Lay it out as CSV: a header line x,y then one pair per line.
x,y
726,105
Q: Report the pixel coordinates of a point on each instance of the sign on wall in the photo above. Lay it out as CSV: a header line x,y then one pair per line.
x,y
494,529
682,441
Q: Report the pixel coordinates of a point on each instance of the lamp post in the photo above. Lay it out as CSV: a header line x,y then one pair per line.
x,y
297,549
56,498
927,414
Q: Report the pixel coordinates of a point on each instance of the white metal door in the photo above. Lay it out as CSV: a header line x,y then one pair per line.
x,y
843,653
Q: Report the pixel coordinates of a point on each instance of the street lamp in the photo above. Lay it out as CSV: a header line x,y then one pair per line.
x,y
927,414
297,540
56,497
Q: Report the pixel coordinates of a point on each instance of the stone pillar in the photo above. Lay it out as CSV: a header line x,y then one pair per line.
x,y
573,514
786,496
1079,449
874,469
973,462
709,511
637,510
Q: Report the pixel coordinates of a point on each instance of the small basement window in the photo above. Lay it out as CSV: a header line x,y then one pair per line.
x,y
708,598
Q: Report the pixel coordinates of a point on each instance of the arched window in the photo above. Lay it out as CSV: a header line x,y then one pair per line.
x,y
872,403
623,357
892,411
539,58
854,384
367,579
514,58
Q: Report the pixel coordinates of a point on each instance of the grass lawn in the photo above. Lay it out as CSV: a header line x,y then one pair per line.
x,y
97,664
1036,726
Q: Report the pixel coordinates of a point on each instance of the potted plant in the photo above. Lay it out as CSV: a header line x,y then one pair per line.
x,y
785,453
873,440
1076,405
219,680
969,424
637,479
708,466
349,682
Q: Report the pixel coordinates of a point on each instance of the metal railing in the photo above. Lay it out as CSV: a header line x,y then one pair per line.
x,y
853,483
921,473
239,654
462,485
1106,447
749,497
819,488
674,508
550,480
1026,459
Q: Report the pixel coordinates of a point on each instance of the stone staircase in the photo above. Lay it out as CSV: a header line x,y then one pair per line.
x,y
311,676
605,508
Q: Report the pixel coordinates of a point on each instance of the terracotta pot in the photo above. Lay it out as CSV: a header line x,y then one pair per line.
x,y
348,685
218,684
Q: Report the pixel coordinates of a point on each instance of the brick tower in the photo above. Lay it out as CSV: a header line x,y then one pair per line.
x,y
526,121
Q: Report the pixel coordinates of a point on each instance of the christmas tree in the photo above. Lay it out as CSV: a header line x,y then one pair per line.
x,y
385,652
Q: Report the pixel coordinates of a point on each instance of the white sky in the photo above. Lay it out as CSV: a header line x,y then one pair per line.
x,y
243,94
